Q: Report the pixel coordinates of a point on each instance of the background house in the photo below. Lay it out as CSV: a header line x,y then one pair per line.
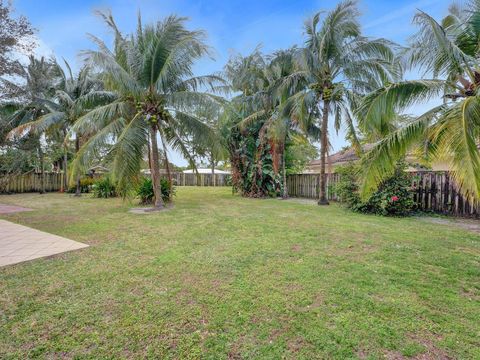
x,y
345,156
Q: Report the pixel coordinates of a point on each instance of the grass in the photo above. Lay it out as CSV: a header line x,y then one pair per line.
x,y
220,276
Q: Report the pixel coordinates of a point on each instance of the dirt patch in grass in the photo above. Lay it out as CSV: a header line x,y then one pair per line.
x,y
465,224
296,248
419,348
296,344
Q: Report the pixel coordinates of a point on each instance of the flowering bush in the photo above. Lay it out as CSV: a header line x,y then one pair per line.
x,y
394,197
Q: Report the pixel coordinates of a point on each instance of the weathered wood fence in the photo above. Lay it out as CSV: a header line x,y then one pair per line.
x,y
182,179
433,191
30,182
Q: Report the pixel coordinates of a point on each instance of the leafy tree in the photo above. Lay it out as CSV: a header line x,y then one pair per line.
x,y
447,51
298,153
15,36
151,71
337,66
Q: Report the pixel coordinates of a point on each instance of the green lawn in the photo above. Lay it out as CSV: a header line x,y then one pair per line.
x,y
220,276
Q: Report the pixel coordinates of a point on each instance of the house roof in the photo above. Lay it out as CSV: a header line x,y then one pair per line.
x,y
342,156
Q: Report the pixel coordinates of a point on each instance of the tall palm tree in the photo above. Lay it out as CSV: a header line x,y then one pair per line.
x,y
260,102
268,103
337,65
151,72
74,96
246,112
28,104
447,51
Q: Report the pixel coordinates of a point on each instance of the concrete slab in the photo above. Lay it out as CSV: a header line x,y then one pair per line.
x,y
20,243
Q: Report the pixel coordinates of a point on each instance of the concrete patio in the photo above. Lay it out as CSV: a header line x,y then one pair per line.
x,y
20,243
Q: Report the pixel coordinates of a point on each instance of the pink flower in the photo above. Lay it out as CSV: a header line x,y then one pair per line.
x,y
394,198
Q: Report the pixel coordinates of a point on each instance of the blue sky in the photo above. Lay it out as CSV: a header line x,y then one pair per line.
x,y
231,25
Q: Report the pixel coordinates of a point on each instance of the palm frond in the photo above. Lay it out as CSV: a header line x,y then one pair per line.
x,y
378,109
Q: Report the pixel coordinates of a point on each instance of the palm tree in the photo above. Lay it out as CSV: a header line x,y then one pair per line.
x,y
74,96
448,51
245,117
151,72
337,66
260,103
269,102
28,105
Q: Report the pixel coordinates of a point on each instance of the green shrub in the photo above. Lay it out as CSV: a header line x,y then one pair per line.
x,y
86,185
145,190
104,188
394,196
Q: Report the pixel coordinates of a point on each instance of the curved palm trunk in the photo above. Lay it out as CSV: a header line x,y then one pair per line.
x,y
78,190
323,154
155,169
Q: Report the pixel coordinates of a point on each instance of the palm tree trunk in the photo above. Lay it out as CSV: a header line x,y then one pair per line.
x,y
65,162
65,165
167,167
155,169
78,190
212,163
42,165
149,154
285,189
323,154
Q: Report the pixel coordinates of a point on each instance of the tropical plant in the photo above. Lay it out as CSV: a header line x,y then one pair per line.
x,y
86,185
146,194
337,66
447,51
104,188
151,71
27,105
259,169
74,96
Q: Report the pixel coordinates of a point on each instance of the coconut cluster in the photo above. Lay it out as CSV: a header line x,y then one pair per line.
x,y
153,113
327,93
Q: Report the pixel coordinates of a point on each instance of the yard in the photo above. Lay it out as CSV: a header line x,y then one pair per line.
x,y
221,276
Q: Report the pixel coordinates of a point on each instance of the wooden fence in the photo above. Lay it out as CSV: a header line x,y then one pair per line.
x,y
433,191
181,179
30,182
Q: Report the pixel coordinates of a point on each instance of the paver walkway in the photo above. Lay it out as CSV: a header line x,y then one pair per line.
x,y
20,243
